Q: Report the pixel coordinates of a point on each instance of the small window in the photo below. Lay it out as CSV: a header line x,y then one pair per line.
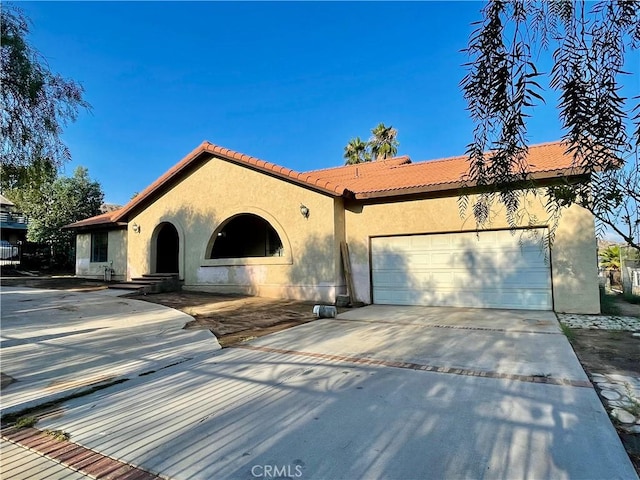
x,y
99,246
245,236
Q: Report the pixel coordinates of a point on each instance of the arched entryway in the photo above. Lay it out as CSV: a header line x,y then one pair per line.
x,y
167,249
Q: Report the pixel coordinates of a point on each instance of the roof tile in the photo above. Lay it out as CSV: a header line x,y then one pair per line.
x,y
399,174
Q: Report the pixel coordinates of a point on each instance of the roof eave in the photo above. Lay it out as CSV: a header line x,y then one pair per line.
x,y
440,187
95,226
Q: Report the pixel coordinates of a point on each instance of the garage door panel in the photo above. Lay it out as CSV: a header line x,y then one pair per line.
x,y
491,269
506,299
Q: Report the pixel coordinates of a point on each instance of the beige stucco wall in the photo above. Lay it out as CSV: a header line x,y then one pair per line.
x,y
116,256
573,255
199,204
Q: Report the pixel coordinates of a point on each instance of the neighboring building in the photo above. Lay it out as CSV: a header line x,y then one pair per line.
x,y
630,270
13,225
228,222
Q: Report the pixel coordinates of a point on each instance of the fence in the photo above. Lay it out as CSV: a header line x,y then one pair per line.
x,y
10,254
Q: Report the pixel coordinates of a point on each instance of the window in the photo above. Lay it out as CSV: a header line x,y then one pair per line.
x,y
245,236
99,244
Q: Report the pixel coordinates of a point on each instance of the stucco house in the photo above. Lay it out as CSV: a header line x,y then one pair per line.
x,y
228,222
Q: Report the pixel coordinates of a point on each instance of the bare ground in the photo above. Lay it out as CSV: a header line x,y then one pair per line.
x,y
54,282
607,352
235,318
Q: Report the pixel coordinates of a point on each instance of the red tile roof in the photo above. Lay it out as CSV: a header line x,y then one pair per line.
x,y
206,149
108,218
545,161
346,173
391,177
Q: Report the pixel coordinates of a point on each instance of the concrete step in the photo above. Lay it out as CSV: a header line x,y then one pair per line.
x,y
151,283
126,286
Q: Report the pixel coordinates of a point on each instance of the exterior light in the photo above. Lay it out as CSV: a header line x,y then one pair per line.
x,y
136,227
304,211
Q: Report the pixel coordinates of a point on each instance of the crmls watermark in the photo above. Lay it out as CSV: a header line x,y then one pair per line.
x,y
276,471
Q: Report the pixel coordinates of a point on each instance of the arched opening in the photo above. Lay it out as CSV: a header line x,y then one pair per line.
x,y
167,249
244,236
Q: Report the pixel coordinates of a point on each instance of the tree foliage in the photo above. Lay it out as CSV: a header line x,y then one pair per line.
x,y
38,173
601,128
356,151
55,204
610,257
382,144
35,103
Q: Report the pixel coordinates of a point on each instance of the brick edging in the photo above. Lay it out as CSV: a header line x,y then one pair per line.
x,y
74,456
452,327
426,368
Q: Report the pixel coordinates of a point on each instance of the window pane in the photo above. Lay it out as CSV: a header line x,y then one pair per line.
x,y
99,246
247,236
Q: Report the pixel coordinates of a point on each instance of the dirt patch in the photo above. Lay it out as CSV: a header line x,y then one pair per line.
x,y
607,351
70,283
234,318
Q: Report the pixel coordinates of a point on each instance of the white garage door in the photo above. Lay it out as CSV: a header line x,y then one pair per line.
x,y
491,269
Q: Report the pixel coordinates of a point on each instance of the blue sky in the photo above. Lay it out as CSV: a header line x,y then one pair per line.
x,y
286,82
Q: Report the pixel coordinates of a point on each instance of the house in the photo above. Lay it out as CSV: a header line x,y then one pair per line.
x,y
13,225
228,222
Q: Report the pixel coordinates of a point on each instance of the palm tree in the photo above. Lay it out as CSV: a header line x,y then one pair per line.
x,y
610,258
383,143
356,152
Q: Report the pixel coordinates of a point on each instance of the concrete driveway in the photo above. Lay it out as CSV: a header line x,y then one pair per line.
x,y
57,343
380,392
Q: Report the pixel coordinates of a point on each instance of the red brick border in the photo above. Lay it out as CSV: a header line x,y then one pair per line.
x,y
453,327
418,366
74,456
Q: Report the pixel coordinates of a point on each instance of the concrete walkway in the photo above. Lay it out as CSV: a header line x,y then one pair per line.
x,y
380,392
58,343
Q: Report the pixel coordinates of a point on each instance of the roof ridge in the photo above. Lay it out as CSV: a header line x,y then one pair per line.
x,y
362,164
456,157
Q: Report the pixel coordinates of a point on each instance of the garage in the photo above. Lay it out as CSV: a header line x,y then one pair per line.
x,y
487,269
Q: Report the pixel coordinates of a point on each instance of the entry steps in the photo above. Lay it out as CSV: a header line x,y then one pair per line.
x,y
151,283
